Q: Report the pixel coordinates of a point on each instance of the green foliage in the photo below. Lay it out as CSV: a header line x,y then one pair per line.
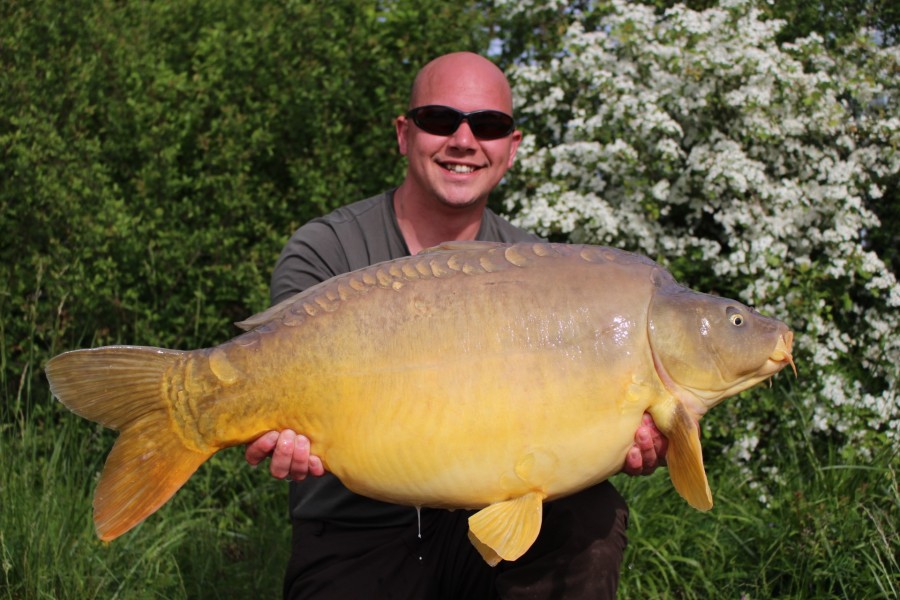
x,y
832,532
225,531
829,529
156,156
838,20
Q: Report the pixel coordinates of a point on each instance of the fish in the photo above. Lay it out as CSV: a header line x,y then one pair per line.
x,y
473,375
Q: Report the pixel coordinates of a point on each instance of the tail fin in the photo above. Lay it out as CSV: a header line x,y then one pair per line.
x,y
122,387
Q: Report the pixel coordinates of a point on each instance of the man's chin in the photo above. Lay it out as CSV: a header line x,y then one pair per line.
x,y
461,196
461,203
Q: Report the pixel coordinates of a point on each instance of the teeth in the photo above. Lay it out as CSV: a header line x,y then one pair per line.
x,y
459,168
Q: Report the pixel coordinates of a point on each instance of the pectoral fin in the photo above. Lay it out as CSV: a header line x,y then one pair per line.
x,y
685,459
506,530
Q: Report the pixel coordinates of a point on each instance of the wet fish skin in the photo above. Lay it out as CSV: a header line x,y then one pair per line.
x,y
472,375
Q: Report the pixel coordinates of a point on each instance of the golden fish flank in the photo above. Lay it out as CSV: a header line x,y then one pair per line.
x,y
526,367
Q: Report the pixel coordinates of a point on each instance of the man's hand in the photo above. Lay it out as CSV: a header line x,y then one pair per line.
x,y
291,459
649,450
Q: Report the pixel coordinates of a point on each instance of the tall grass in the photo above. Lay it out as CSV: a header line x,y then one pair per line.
x,y
832,530
225,535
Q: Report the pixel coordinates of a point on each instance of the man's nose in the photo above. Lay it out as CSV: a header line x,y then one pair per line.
x,y
463,136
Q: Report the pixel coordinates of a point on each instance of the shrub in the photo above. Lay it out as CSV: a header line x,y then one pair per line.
x,y
156,156
750,169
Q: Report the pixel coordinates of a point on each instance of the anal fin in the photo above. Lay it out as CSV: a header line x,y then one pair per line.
x,y
506,530
685,460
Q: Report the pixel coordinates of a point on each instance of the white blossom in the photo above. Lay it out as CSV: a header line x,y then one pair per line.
x,y
697,139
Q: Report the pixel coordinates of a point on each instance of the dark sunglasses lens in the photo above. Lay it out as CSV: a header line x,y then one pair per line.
x,y
490,124
443,120
437,120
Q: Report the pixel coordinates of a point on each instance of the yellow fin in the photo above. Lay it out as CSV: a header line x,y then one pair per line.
x,y
121,388
487,553
685,460
145,468
506,530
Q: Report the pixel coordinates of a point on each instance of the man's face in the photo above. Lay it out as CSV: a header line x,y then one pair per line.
x,y
457,169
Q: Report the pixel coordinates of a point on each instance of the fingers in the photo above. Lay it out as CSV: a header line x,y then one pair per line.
x,y
289,452
283,455
634,464
644,440
316,467
260,448
648,451
298,454
641,458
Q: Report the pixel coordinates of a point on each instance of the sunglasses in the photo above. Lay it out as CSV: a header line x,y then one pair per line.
x,y
443,120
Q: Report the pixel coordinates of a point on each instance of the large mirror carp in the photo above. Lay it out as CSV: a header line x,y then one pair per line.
x,y
473,375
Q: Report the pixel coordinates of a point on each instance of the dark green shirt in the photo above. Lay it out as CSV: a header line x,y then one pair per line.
x,y
350,238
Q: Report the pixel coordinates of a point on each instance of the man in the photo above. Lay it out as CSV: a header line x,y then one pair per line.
x,y
459,139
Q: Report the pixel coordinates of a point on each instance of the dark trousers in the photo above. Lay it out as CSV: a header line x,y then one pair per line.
x,y
577,555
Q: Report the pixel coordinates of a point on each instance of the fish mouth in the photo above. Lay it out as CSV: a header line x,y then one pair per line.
x,y
781,355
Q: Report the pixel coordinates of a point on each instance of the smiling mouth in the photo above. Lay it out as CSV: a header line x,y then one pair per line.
x,y
458,168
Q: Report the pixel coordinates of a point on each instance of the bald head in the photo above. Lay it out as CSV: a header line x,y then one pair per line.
x,y
463,80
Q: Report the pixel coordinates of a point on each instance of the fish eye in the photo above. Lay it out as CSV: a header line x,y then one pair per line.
x,y
734,315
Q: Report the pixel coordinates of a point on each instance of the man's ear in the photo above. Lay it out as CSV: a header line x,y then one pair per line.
x,y
401,125
514,142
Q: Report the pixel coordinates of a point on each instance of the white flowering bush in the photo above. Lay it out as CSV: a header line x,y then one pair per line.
x,y
749,169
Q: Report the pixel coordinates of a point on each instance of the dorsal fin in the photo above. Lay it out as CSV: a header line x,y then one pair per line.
x,y
272,313
462,245
267,315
